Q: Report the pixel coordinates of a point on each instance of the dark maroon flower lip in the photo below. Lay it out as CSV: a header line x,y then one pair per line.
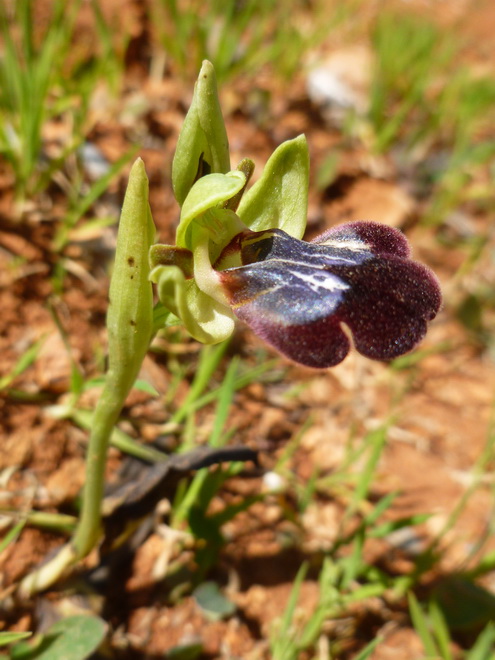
x,y
298,296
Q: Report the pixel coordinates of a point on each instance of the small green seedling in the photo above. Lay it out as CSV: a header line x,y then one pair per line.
x,y
73,638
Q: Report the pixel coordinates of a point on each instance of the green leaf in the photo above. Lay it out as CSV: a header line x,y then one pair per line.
x,y
203,146
391,526
283,645
73,638
213,603
25,361
209,361
420,623
288,617
10,637
366,591
279,199
465,604
253,375
368,649
441,630
119,439
10,537
144,386
483,647
185,652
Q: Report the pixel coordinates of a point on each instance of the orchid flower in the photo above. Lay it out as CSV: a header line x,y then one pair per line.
x,y
241,255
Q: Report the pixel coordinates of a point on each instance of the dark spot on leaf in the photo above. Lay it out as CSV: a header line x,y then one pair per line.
x,y
131,261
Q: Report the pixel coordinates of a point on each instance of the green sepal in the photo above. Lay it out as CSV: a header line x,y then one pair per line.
x,y
130,312
203,139
207,193
207,320
279,199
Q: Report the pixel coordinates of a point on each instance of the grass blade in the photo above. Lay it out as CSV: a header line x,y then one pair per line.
x,y
421,626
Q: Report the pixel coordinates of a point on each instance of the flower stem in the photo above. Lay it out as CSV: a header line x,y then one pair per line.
x,y
88,529
104,419
130,327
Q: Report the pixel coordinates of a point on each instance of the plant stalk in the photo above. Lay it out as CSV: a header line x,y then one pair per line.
x,y
105,417
130,326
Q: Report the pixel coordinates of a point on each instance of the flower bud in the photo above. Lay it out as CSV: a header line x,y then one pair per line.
x,y
130,312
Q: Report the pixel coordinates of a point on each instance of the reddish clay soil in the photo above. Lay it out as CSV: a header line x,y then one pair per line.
x,y
438,411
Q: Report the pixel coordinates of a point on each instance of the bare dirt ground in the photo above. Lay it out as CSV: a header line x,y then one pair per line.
x,y
439,411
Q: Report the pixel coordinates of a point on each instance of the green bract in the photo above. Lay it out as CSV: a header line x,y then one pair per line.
x,y
279,199
203,146
214,209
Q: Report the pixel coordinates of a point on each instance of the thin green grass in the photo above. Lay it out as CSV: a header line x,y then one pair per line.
x,y
354,579
44,78
403,77
28,79
27,359
240,38
431,627
435,115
